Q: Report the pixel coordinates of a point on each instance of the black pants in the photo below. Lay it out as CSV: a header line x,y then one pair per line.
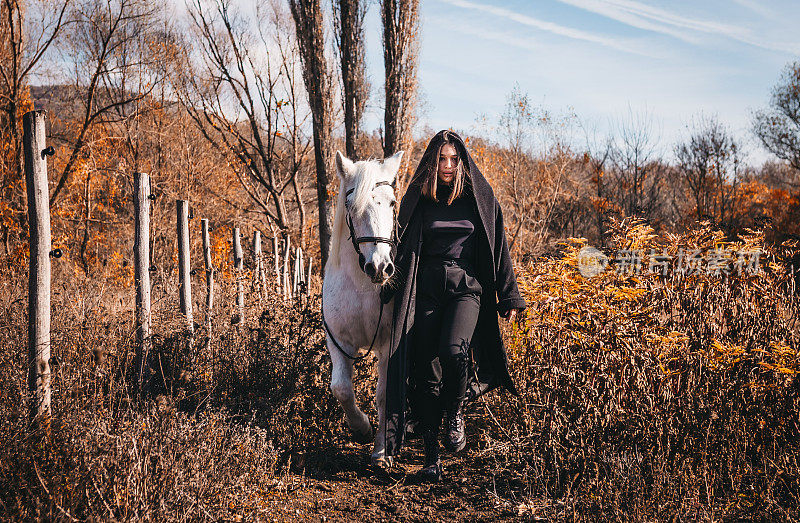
x,y
447,306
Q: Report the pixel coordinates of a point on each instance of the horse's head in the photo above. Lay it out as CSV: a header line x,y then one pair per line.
x,y
368,188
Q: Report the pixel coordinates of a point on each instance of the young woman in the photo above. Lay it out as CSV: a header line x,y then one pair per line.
x,y
454,275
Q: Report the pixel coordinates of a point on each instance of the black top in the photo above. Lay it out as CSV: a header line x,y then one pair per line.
x,y
448,231
494,271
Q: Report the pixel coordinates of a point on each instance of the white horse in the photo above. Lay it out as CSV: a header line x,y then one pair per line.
x,y
363,228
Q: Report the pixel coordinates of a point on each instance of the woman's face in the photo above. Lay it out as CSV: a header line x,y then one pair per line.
x,y
448,160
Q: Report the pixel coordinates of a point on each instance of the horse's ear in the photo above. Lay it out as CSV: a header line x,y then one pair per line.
x,y
344,167
393,162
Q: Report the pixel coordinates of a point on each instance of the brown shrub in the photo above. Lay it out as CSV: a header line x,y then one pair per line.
x,y
225,414
641,397
656,396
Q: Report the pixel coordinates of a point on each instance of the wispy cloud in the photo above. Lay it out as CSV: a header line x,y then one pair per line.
x,y
629,18
756,7
502,37
651,18
619,44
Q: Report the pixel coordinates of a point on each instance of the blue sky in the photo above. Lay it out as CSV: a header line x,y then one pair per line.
x,y
600,59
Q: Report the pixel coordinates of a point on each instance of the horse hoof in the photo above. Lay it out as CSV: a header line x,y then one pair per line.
x,y
362,437
383,462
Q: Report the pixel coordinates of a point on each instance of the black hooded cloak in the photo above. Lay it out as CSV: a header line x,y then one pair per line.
x,y
488,359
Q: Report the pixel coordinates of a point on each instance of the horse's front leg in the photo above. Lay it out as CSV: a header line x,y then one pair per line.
x,y
379,456
342,388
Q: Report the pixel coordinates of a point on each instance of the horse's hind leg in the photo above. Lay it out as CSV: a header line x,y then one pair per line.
x,y
342,388
379,456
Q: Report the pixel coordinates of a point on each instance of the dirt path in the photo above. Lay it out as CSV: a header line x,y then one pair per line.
x,y
346,488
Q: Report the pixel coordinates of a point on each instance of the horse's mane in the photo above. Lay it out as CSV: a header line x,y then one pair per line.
x,y
366,174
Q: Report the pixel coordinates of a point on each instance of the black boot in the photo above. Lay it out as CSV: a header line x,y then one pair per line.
x,y
432,471
456,439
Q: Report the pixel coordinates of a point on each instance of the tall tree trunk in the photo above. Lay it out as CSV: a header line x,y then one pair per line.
x,y
87,210
11,49
301,209
400,52
600,207
350,28
308,22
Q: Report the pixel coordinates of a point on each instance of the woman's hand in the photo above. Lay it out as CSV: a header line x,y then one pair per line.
x,y
511,315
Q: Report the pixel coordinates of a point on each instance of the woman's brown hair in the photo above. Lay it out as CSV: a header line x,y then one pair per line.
x,y
429,177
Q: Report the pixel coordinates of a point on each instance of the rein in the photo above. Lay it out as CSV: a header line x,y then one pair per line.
x,y
377,239
361,263
336,343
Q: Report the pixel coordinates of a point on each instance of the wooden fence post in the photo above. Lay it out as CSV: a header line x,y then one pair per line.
x,y
296,271
301,275
259,274
34,142
287,289
276,252
184,265
209,274
263,267
238,262
141,272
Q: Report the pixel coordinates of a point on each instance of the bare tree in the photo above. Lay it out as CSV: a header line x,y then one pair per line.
x,y
400,54
240,90
27,31
778,174
635,165
293,120
533,184
778,127
308,20
710,163
515,127
106,50
349,22
596,159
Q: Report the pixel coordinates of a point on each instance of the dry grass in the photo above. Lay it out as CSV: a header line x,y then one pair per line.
x,y
227,414
641,398
656,397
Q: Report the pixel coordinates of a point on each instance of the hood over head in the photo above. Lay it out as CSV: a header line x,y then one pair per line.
x,y
482,191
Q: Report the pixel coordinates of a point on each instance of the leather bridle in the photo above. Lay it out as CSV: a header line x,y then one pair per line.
x,y
361,263
357,240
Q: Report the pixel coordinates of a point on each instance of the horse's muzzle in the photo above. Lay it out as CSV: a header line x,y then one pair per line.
x,y
379,274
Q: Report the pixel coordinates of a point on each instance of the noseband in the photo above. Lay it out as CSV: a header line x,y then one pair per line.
x,y
362,261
